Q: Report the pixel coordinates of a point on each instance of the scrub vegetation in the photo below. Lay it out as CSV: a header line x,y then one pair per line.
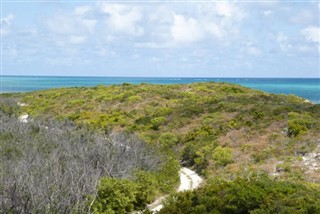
x,y
259,195
219,129
55,167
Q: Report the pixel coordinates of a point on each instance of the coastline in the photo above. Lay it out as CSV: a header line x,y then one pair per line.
x,y
306,88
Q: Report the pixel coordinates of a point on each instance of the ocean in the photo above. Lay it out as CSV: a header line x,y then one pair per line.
x,y
308,88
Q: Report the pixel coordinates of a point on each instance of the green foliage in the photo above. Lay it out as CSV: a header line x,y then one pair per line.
x,y
202,157
115,196
299,124
222,156
124,196
199,133
148,188
199,114
157,121
76,102
8,105
198,147
168,140
257,195
163,111
134,99
168,176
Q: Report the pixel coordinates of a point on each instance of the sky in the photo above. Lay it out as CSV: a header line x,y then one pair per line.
x,y
161,38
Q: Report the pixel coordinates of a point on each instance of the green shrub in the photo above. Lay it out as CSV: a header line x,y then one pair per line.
x,y
168,140
168,176
148,187
299,124
222,156
261,156
257,195
134,99
163,111
115,196
199,133
76,102
157,121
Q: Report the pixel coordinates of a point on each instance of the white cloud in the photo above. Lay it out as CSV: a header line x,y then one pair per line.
x,y
65,29
162,14
249,48
61,24
281,37
68,24
155,45
77,40
312,34
81,10
5,24
229,10
224,9
268,12
254,51
215,30
221,20
283,41
208,21
7,20
123,18
186,29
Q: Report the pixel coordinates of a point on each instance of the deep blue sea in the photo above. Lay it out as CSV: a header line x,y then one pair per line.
x,y
306,88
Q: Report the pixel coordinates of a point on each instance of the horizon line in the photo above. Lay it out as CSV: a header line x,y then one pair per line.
x,y
186,77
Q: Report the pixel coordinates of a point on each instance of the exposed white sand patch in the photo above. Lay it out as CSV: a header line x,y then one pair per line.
x,y
189,180
24,118
185,182
21,104
194,180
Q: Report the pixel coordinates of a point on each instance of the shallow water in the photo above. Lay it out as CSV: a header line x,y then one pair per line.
x,y
306,88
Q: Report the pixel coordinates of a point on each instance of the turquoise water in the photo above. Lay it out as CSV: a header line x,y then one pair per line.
x,y
306,88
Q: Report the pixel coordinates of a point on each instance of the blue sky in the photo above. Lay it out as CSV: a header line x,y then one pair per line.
x,y
172,38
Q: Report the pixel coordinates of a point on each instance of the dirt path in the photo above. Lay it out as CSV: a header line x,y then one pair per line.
x,y
189,180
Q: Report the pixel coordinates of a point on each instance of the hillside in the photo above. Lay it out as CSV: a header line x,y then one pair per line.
x,y
219,129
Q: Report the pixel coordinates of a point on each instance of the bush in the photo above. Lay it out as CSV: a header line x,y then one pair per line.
x,y
259,195
115,196
148,188
168,176
299,124
134,99
222,156
157,121
200,133
168,140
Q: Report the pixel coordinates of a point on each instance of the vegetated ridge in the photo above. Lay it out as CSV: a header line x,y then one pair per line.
x,y
219,129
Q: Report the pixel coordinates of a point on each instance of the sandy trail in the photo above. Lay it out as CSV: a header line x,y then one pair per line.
x,y
189,180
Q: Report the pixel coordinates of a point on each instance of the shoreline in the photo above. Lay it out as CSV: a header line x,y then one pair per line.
x,y
276,87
